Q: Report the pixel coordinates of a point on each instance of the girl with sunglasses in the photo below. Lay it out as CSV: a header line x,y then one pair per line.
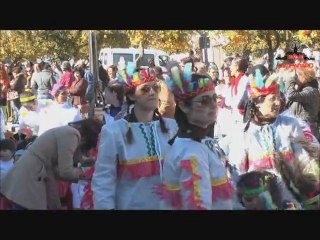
x,y
132,149
194,174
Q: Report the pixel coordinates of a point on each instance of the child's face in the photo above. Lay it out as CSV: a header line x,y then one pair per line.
x,y
5,154
254,203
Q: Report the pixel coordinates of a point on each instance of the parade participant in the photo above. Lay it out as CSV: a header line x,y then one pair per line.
x,y
132,149
114,98
7,151
32,182
194,173
259,191
59,113
28,116
268,136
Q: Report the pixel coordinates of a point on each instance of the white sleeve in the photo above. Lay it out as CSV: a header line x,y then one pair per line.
x,y
3,126
105,174
195,181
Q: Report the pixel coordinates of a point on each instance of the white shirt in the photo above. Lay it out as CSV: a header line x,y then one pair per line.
x,y
5,166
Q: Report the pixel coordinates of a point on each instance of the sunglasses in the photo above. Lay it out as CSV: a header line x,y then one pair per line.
x,y
146,89
207,100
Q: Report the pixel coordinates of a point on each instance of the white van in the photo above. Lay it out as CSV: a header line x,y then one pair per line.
x,y
111,56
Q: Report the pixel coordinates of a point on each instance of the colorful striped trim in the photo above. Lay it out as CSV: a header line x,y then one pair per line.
x,y
193,183
196,185
170,193
181,97
266,161
218,182
172,187
138,168
139,160
221,189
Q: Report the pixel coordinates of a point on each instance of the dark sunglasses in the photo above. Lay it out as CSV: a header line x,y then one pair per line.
x,y
146,89
207,100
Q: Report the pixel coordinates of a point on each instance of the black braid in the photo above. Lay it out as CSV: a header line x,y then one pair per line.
x,y
129,133
163,126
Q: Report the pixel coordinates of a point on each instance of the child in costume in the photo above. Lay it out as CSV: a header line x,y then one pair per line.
x,y
114,98
28,115
268,142
195,176
7,151
132,149
59,113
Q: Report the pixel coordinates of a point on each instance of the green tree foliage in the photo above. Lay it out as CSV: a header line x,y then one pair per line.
x,y
66,44
255,42
113,38
309,37
32,44
171,41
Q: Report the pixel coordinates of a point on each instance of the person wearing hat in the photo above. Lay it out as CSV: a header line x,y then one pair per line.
x,y
258,190
28,115
194,174
269,143
132,149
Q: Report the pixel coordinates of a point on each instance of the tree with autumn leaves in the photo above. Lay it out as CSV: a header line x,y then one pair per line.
x,y
260,42
63,44
67,44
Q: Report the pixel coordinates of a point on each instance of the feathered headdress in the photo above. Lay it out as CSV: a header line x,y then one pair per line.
x,y
184,84
257,184
262,86
132,77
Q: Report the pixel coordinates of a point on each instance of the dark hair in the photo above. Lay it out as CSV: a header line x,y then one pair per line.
x,y
8,144
80,70
113,67
59,91
131,117
151,62
46,66
196,133
16,70
89,130
269,182
41,65
187,129
264,71
119,89
26,143
242,64
189,60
